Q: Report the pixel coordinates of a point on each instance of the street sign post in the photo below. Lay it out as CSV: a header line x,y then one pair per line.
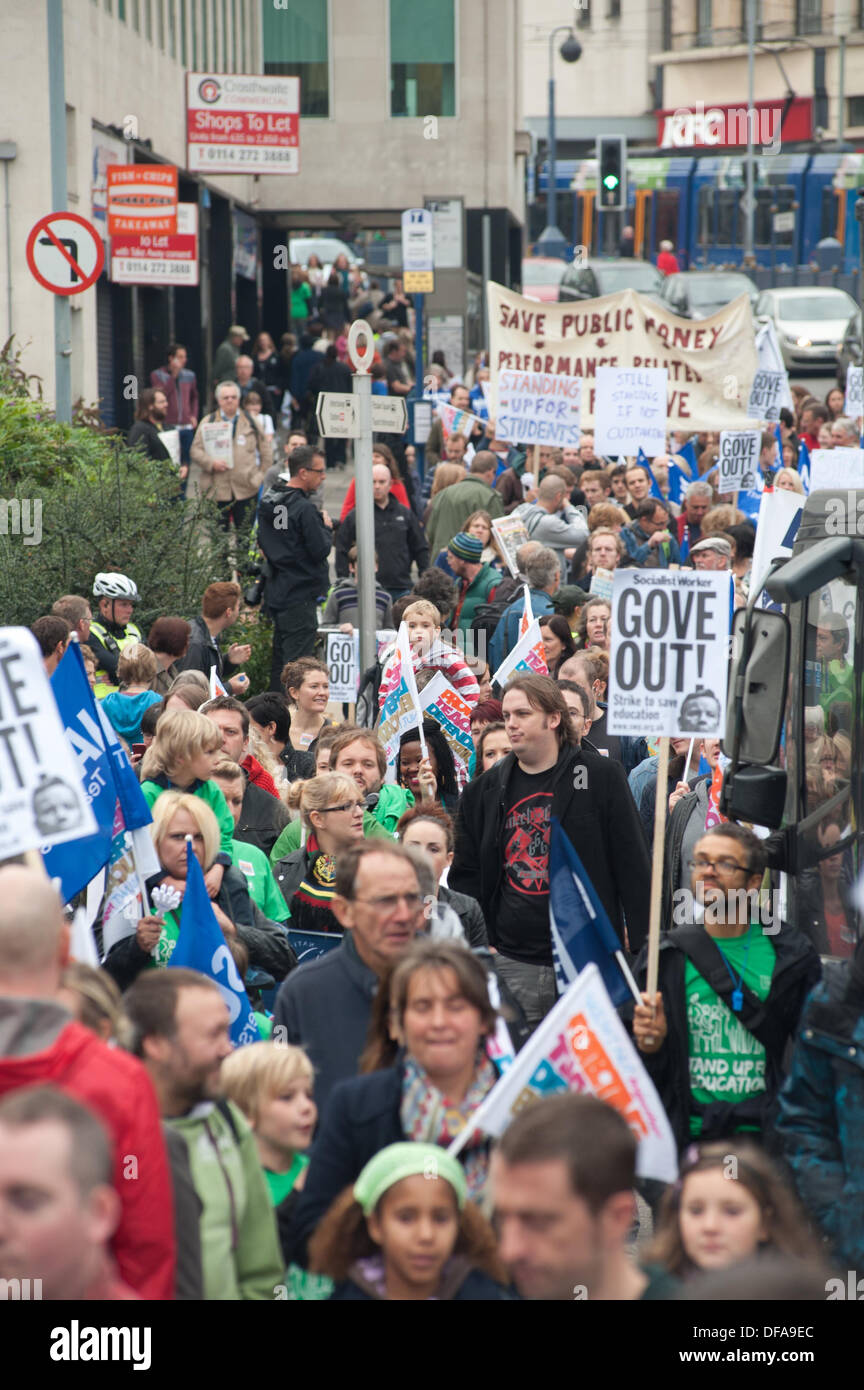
x,y
418,259
336,416
389,414
65,253
361,350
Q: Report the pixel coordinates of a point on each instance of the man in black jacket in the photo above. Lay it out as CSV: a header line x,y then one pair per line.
x,y
149,419
296,539
220,609
325,1006
732,984
502,839
399,538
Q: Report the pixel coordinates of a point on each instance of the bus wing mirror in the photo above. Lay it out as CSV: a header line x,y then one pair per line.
x,y
758,690
757,795
811,570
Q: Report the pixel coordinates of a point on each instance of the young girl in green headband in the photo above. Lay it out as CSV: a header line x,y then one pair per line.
x,y
406,1231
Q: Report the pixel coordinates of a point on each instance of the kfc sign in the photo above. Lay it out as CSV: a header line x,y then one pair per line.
x,y
727,127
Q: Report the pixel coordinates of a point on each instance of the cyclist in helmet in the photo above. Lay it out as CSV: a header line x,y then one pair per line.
x,y
112,630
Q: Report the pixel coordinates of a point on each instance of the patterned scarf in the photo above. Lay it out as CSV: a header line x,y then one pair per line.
x,y
428,1117
310,905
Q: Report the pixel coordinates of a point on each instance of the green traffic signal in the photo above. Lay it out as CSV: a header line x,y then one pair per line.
x,y
611,181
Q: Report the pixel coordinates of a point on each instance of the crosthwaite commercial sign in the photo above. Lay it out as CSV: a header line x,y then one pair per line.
x,y
710,363
726,125
237,123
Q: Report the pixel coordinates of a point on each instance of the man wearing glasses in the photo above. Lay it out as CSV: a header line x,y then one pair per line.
x,y
296,539
325,1006
732,984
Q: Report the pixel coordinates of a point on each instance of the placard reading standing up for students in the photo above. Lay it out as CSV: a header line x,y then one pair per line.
x,y
630,410
739,460
669,653
538,408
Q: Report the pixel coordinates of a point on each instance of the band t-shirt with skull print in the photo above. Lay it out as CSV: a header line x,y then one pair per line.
x,y
522,925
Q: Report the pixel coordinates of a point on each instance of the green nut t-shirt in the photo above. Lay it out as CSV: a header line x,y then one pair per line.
x,y
727,1063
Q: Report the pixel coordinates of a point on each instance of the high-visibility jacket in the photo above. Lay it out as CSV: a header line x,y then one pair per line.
x,y
109,646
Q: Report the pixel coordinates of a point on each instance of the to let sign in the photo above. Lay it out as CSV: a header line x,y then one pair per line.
x,y
238,123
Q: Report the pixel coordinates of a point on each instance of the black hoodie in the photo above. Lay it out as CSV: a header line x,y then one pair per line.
x,y
296,542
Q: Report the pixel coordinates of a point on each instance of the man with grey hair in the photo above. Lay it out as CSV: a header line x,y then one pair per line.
x,y
247,381
40,1042
543,577
234,485
844,433
553,521
698,499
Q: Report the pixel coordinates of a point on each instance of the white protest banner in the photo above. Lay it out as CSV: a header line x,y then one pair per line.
x,y
854,404
779,518
42,798
170,439
630,410
767,395
343,665
710,362
830,468
218,439
739,460
582,1045
400,709
669,652
510,532
537,408
460,421
446,706
770,358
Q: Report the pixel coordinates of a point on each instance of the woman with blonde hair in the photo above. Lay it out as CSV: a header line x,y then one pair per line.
x,y
331,811
789,480
177,818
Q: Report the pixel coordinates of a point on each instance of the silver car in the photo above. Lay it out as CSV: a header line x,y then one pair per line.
x,y
810,323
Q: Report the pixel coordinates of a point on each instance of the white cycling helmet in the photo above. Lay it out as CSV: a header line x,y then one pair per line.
x,y
115,586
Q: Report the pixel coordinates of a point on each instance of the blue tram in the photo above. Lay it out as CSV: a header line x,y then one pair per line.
x,y
695,201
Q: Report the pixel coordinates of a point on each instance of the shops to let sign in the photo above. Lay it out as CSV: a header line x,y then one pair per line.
x,y
237,123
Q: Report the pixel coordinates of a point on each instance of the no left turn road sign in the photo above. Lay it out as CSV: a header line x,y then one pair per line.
x,y
65,253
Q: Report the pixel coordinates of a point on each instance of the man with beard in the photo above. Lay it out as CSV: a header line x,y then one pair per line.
x,y
149,419
180,1031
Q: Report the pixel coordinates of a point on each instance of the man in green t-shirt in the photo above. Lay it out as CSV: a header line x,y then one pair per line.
x,y
732,984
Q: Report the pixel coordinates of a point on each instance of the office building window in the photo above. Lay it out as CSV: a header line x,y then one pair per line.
x,y
136,16
422,58
121,9
294,42
855,110
703,23
582,13
614,10
194,10
808,16
205,34
148,20
227,52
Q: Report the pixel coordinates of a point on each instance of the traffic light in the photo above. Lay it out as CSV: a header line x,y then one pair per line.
x,y
612,170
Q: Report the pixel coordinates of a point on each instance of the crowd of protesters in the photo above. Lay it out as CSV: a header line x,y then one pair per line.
x,y
314,1162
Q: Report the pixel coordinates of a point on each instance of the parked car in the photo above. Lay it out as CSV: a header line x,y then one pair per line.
x,y
541,276
849,351
810,322
590,279
697,294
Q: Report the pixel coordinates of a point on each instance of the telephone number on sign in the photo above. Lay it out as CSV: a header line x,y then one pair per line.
x,y
156,269
217,152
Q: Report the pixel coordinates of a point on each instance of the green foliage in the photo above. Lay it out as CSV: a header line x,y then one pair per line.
x,y
104,507
257,630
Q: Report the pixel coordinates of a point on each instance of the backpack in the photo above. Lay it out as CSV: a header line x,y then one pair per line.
x,y
488,615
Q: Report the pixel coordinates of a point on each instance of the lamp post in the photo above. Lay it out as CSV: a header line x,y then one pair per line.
x,y
552,241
